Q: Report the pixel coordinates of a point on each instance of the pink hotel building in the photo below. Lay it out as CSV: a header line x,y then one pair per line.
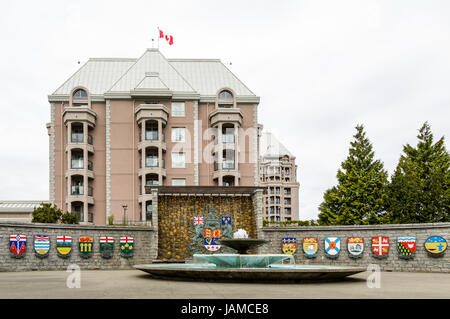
x,y
118,125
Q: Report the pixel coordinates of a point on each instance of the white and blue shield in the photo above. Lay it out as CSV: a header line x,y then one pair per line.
x,y
41,245
332,247
211,244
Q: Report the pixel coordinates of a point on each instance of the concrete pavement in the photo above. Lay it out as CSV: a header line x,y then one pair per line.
x,y
136,284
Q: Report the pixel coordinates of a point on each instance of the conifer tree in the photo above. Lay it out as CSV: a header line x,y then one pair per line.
x,y
359,198
420,186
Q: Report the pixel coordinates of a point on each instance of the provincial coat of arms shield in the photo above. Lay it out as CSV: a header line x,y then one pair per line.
x,y
310,247
41,245
332,247
355,247
63,246
17,245
86,246
406,247
289,245
212,232
435,246
126,247
106,246
380,247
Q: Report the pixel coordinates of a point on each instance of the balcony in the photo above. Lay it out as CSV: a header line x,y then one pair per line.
x,y
77,190
77,138
82,113
225,115
77,163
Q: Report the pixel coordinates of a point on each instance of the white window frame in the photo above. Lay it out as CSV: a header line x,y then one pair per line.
x,y
174,165
177,180
174,134
177,113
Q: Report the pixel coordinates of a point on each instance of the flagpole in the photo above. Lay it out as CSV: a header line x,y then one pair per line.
x,y
158,37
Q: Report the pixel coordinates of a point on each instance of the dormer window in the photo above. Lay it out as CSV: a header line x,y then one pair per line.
x,y
80,95
225,99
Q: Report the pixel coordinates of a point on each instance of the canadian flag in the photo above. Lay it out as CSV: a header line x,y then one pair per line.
x,y
168,38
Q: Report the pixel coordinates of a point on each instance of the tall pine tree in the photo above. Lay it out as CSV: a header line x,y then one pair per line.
x,y
420,186
359,198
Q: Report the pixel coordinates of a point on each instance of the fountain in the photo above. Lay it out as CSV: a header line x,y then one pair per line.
x,y
246,267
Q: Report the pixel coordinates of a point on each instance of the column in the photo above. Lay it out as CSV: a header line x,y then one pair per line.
x,y
85,211
69,132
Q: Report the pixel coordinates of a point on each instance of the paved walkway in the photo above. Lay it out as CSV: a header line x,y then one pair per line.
x,y
136,284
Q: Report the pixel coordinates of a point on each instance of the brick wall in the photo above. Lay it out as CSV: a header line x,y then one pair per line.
x,y
144,243
420,262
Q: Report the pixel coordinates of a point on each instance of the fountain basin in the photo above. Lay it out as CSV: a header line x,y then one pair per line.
x,y
274,273
242,261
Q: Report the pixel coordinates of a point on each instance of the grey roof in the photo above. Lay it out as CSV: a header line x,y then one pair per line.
x,y
19,206
271,147
151,61
207,76
97,75
152,71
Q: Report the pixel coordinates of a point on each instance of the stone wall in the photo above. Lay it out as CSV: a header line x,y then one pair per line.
x,y
145,245
420,262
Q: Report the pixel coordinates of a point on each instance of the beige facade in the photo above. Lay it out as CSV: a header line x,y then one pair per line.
x,y
119,125
278,175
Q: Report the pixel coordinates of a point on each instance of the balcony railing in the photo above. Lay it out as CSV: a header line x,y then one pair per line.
x,y
77,163
228,138
90,191
77,138
228,164
77,190
90,217
151,161
151,135
153,182
90,140
90,166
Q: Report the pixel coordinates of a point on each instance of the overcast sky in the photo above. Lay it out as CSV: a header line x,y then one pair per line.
x,y
320,68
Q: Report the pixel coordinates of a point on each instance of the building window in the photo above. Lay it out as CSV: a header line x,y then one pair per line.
x,y
80,94
148,211
178,182
287,191
287,211
225,99
287,201
178,160
177,108
178,134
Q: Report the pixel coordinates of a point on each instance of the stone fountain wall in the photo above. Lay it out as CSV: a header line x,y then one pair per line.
x,y
176,215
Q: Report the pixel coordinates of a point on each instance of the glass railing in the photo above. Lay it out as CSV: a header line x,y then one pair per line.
x,y
77,190
80,214
151,135
77,163
90,191
77,138
228,164
90,166
228,138
90,140
152,183
151,161
90,217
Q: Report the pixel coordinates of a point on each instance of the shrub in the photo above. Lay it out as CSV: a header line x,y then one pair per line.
x,y
46,213
69,218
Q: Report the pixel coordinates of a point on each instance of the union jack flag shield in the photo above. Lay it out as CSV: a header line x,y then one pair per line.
x,y
198,220
17,245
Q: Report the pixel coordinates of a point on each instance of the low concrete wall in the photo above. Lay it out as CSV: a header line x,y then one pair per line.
x,y
145,245
421,261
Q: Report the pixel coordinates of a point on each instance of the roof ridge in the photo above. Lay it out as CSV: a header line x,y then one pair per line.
x,y
70,77
126,72
238,79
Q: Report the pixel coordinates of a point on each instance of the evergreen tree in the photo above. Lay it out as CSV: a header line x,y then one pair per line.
x,y
419,191
359,198
46,213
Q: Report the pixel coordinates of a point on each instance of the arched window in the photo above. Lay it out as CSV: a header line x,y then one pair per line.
x,y
225,99
80,94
